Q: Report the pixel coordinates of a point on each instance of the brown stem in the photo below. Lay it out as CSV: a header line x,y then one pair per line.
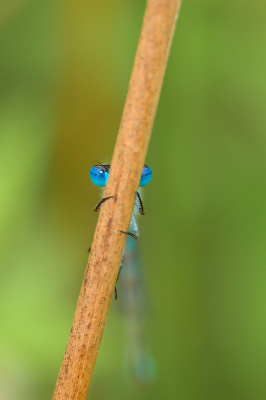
x,y
108,243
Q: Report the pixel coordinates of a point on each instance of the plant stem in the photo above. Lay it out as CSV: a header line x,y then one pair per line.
x,y
108,243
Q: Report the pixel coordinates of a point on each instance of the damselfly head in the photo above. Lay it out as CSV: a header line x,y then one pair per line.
x,y
99,175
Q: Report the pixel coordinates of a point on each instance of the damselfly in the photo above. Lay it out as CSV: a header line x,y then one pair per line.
x,y
140,362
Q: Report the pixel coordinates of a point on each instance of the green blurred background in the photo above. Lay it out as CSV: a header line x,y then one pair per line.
x,y
64,72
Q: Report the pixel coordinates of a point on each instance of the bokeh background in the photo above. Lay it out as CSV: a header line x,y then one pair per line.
x,y
64,71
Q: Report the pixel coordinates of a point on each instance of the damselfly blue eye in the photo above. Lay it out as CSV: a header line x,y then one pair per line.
x,y
99,174
145,176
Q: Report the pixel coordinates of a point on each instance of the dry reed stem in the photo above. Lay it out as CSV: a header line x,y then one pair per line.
x,y
108,243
